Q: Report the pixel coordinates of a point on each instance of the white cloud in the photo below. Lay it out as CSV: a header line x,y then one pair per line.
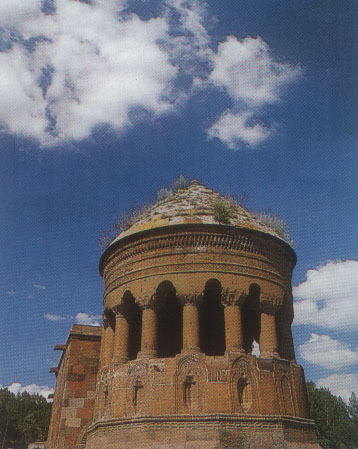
x,y
16,11
99,68
232,128
54,317
42,390
94,63
340,384
328,297
324,351
40,286
246,69
90,320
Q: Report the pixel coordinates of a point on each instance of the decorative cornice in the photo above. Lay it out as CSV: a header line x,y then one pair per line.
x,y
187,236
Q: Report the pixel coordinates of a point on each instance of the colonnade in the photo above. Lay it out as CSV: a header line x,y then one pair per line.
x,y
116,327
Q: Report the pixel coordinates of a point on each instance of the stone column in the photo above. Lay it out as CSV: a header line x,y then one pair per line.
x,y
149,329
107,340
121,336
191,341
232,302
268,334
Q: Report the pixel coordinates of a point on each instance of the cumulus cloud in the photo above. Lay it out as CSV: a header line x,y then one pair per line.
x,y
40,286
87,69
328,297
246,70
340,384
87,64
90,320
232,128
42,390
324,351
54,317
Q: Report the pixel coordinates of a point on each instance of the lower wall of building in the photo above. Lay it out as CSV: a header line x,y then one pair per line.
x,y
195,383
204,432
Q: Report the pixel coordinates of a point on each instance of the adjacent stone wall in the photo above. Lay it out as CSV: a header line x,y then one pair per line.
x,y
76,388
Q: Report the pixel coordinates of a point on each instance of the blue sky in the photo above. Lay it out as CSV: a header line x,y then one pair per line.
x,y
111,100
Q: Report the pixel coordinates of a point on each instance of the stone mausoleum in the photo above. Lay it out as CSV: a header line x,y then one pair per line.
x,y
189,288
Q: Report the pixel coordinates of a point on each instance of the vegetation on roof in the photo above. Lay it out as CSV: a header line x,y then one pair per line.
x,y
224,209
129,218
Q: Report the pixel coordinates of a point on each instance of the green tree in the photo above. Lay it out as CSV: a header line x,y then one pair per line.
x,y
23,418
334,423
353,412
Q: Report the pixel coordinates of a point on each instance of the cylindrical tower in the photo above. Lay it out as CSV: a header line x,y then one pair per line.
x,y
189,288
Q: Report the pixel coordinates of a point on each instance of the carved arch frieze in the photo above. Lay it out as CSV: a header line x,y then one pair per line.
x,y
243,390
137,388
188,381
285,394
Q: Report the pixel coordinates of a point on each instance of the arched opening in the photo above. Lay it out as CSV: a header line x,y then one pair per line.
x,y
170,321
244,393
137,393
188,385
211,320
284,333
250,314
133,315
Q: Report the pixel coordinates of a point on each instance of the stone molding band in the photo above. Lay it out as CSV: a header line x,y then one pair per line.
x,y
214,418
182,239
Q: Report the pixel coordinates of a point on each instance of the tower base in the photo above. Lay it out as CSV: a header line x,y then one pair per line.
x,y
220,431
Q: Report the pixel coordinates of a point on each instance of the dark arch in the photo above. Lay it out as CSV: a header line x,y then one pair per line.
x,y
133,315
211,320
283,318
250,315
109,314
170,320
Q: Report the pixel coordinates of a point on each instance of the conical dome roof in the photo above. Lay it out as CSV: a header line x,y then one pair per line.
x,y
195,204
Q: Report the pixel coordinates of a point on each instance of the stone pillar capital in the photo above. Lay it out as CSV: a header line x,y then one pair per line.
x,y
193,299
108,314
233,297
105,321
270,304
147,302
118,310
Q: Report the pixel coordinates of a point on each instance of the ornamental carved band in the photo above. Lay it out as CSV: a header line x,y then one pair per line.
x,y
233,297
194,299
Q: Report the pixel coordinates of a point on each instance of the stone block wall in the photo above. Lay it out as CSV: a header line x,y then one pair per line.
x,y
76,387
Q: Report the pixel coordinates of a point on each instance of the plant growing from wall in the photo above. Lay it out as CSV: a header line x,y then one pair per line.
x,y
223,210
277,224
